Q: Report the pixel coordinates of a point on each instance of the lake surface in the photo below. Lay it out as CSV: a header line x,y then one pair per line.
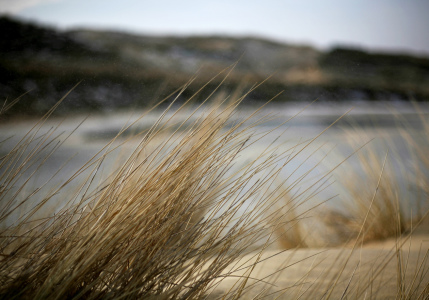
x,y
387,128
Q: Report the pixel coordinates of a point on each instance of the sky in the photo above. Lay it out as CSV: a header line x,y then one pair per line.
x,y
375,25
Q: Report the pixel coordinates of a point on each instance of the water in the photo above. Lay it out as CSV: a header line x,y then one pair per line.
x,y
380,123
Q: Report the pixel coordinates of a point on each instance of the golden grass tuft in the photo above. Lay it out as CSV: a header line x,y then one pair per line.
x,y
374,209
166,223
181,214
376,205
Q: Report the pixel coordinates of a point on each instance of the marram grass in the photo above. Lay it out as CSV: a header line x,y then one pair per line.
x,y
178,216
166,223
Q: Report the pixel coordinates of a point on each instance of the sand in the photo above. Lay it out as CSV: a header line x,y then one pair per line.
x,y
367,272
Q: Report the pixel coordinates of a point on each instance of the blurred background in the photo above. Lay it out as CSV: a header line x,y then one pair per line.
x,y
132,53
127,55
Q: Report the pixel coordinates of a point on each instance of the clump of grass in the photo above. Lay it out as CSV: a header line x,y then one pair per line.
x,y
419,147
166,223
178,216
375,197
288,226
374,203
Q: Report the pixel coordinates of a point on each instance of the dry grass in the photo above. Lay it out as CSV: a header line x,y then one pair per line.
x,y
375,197
180,215
166,223
374,203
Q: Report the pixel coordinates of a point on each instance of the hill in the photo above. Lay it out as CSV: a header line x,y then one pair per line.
x,y
121,69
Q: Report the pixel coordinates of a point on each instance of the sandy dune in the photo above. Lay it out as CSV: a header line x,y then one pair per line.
x,y
368,272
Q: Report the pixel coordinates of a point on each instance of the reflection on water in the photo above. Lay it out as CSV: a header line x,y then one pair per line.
x,y
387,127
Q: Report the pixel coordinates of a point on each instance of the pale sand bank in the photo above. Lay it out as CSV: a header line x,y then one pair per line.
x,y
371,272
